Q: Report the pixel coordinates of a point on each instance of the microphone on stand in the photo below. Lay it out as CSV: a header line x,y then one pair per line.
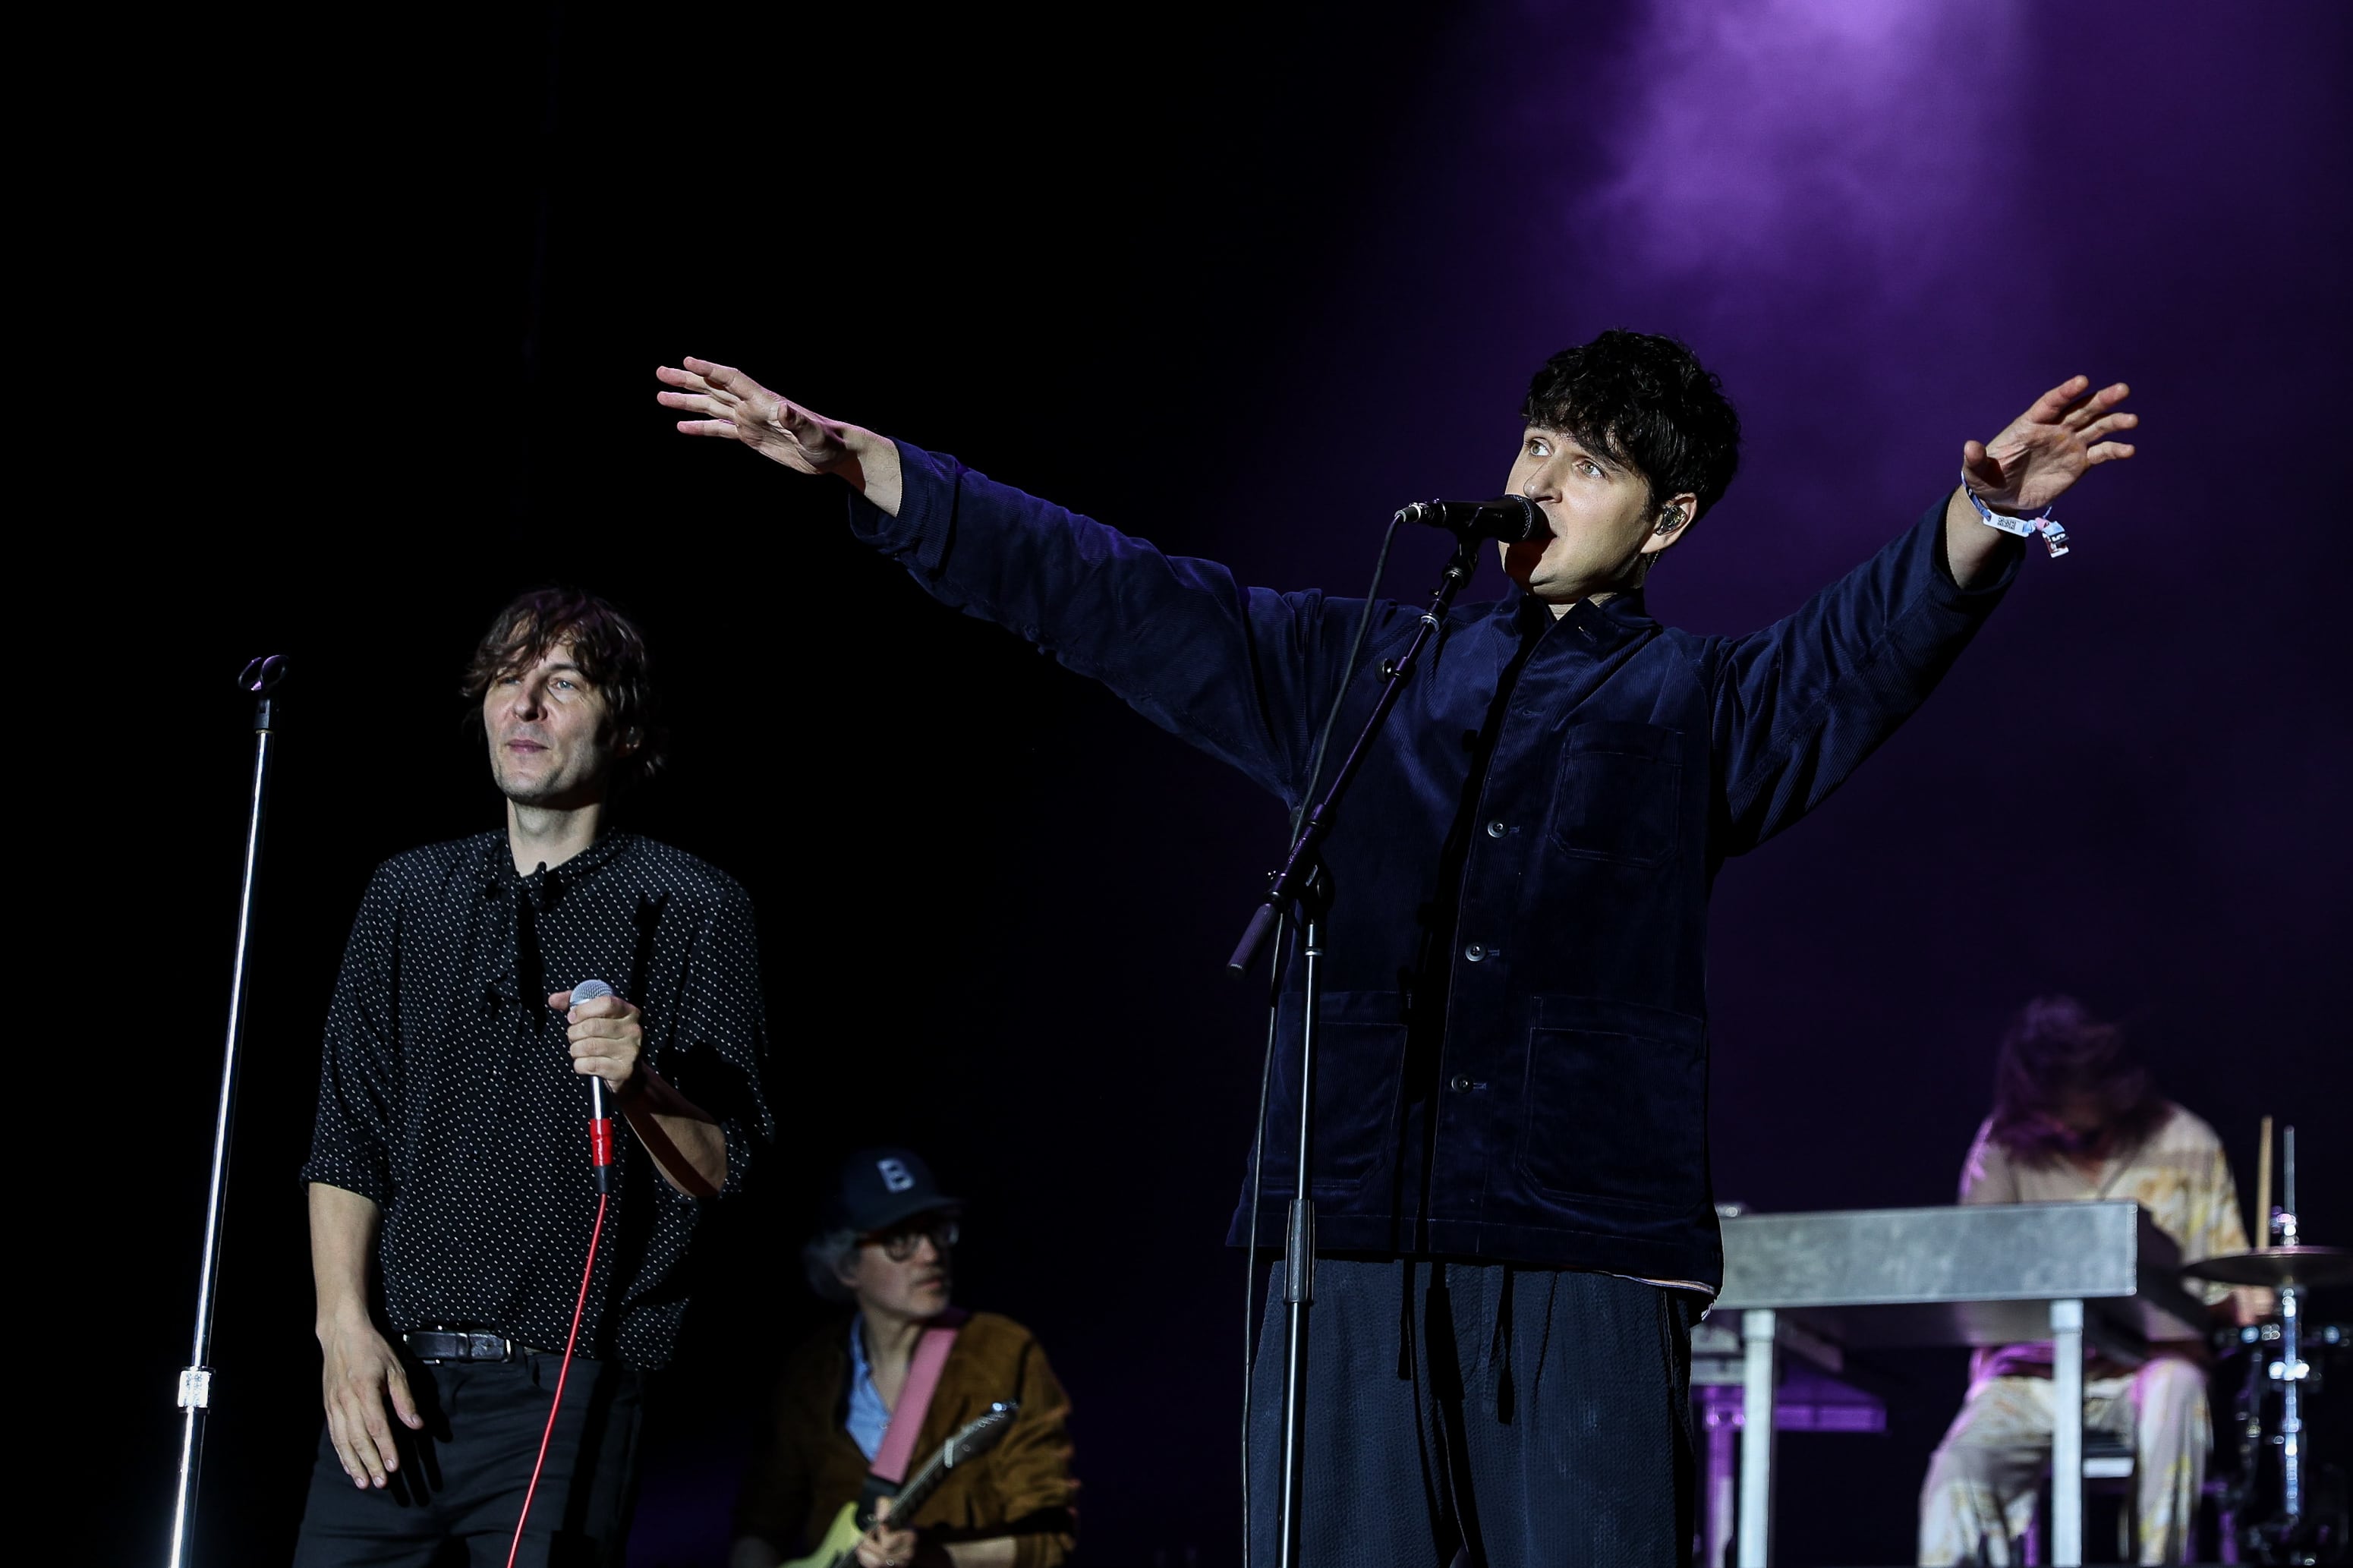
x,y
600,1126
1514,519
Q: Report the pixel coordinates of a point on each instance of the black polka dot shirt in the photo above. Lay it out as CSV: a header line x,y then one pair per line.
x,y
446,1093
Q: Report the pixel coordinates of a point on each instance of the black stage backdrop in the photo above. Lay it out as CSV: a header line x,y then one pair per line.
x,y
368,348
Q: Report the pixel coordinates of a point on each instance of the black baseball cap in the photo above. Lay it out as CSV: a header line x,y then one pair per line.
x,y
878,1188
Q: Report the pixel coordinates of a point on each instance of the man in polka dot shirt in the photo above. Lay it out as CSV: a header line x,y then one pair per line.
x,y
450,1193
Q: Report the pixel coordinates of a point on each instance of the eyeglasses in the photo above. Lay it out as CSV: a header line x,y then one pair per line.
x,y
898,1243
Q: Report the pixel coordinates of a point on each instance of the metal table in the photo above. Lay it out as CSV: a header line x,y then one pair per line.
x,y
1979,1274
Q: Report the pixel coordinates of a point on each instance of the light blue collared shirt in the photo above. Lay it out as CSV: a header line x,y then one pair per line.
x,y
868,1417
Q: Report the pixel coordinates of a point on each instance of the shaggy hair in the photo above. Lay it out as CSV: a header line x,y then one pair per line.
x,y
609,650
2054,1050
821,1262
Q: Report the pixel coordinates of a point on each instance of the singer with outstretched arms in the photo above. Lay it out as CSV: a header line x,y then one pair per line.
x,y
451,1192
1514,1226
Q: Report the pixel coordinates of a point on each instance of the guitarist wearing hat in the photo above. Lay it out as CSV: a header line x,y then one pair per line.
x,y
867,1404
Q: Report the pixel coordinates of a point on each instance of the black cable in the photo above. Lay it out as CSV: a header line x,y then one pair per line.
x,y
1347,673
1273,1015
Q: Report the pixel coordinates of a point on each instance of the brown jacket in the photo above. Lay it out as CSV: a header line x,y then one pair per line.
x,y
808,1466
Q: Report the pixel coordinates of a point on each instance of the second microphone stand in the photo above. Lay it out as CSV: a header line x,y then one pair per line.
x,y
1303,889
195,1393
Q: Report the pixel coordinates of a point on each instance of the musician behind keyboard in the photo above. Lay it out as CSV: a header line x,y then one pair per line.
x,y
2074,1118
857,1398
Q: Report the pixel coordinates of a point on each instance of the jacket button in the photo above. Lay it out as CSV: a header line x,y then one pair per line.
x,y
1459,1084
1496,830
1474,952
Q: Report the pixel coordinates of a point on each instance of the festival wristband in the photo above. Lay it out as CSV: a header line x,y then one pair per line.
x,y
2055,538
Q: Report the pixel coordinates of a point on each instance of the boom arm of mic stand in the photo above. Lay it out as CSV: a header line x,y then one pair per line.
x,y
1299,866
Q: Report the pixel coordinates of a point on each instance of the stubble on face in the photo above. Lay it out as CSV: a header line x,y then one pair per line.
x,y
545,726
917,1287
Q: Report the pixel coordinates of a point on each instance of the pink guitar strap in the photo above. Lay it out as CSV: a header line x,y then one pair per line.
x,y
915,1399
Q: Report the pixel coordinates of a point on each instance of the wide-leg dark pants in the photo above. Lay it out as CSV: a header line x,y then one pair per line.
x,y
459,1487
1516,1416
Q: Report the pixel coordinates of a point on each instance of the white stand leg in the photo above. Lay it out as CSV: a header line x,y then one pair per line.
x,y
1757,1345
2067,1434
1722,1421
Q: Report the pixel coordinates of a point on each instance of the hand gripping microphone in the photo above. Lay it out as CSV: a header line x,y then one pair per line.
x,y
600,1126
600,1155
1514,519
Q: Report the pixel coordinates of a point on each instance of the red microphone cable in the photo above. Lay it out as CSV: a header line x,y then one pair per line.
x,y
562,1372
600,1159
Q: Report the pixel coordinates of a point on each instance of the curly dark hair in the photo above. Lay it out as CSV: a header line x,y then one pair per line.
x,y
610,651
1647,402
2053,1051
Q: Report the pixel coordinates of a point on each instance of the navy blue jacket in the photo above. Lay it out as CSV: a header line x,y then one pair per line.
x,y
1515,1061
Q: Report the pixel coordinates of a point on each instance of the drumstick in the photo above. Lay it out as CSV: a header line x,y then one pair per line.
x,y
2263,1192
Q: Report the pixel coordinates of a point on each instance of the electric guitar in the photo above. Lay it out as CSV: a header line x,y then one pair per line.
x,y
839,1547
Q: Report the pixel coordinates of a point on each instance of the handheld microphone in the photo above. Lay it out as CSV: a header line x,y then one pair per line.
x,y
1514,519
600,1126
600,1155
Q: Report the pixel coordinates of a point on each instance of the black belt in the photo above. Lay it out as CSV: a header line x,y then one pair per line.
x,y
467,1344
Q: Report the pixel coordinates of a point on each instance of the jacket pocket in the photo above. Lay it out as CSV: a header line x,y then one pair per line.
x,y
1359,1063
1618,792
1614,1106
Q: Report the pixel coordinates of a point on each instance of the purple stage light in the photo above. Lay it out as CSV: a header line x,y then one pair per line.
x,y
1815,143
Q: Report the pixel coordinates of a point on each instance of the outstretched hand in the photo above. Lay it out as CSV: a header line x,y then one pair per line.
x,y
732,406
736,408
2047,448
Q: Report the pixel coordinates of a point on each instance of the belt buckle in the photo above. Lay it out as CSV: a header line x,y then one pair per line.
x,y
467,1346
482,1345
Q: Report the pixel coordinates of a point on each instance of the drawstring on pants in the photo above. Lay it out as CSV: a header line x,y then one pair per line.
x,y
1499,1351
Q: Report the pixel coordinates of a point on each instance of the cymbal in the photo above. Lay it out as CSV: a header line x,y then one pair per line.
x,y
2302,1265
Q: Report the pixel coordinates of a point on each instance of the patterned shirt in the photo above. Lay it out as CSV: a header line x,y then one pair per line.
x,y
447,1094
2179,1173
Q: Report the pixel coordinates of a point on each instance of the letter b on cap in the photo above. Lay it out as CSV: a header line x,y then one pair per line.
x,y
894,1175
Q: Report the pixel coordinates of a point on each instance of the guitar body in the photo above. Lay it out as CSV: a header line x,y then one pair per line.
x,y
840,1545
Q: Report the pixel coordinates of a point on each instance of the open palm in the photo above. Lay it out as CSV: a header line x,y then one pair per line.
x,y
734,407
2047,448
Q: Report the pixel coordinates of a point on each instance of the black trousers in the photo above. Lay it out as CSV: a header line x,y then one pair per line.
x,y
1496,1417
460,1484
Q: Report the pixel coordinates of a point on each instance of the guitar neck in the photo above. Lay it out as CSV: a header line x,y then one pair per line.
x,y
920,1485
976,1438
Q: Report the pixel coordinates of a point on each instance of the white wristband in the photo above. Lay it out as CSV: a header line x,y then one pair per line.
x,y
2055,538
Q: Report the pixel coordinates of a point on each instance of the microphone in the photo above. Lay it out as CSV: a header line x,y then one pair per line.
x,y
1514,519
600,1126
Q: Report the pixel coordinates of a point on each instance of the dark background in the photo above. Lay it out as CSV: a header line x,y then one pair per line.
x,y
372,351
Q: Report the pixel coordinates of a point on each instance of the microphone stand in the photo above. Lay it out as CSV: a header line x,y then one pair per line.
x,y
1303,889
260,678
